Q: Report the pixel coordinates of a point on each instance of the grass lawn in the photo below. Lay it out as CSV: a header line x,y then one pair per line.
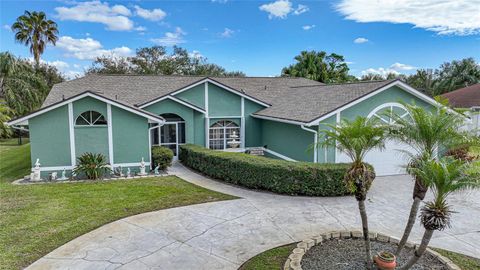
x,y
274,259
35,219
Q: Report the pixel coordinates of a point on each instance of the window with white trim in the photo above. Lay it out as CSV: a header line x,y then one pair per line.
x,y
90,118
224,134
385,113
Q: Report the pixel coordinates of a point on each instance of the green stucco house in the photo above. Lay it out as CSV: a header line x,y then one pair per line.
x,y
123,116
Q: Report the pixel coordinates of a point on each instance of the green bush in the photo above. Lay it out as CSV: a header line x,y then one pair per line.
x,y
162,157
279,176
94,166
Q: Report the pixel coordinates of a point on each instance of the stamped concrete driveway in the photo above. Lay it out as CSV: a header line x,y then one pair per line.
x,y
223,235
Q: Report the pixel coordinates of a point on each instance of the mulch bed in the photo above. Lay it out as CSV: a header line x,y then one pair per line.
x,y
349,254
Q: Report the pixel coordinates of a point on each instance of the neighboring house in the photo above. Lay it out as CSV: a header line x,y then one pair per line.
x,y
467,98
122,116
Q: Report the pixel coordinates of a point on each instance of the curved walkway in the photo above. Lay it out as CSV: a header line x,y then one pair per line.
x,y
223,235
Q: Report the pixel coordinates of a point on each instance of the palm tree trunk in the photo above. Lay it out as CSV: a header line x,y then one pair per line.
x,y
419,252
410,223
366,238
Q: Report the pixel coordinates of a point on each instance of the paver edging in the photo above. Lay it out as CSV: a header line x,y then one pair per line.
x,y
295,258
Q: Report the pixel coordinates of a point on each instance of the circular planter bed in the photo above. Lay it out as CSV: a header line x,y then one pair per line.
x,y
345,251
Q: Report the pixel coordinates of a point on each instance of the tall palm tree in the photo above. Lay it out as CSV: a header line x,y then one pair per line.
x,y
445,177
426,132
34,30
356,138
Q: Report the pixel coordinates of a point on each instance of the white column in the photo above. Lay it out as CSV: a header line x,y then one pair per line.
x,y
110,133
207,119
242,124
72,134
336,149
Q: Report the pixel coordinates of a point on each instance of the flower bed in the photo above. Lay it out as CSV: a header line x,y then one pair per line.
x,y
279,176
345,250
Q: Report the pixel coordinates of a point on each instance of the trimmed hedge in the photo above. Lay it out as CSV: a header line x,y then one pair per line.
x,y
162,157
255,172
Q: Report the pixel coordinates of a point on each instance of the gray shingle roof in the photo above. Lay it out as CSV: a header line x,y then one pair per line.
x,y
297,99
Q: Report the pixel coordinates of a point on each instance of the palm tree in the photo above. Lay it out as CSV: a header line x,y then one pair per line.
x,y
425,131
445,177
33,28
356,138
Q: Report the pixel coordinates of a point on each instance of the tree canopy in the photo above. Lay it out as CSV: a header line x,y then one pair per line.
x,y
157,61
319,66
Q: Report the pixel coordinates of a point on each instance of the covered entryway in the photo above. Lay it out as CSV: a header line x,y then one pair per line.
x,y
393,159
171,134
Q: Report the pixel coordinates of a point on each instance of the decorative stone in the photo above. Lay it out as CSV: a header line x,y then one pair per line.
x,y
410,245
335,235
357,234
303,246
298,251
310,243
394,240
453,266
345,234
383,238
296,256
295,265
326,236
318,240
371,235
286,266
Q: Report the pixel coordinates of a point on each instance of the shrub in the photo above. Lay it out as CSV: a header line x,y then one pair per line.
x,y
162,157
93,165
279,176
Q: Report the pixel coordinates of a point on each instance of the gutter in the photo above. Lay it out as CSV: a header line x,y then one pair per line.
x,y
315,142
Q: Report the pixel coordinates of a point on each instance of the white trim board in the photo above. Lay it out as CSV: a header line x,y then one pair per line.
x,y
398,83
176,100
110,133
80,96
208,80
298,123
71,132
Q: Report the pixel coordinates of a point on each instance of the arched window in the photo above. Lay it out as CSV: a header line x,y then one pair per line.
x,y
90,118
224,134
386,111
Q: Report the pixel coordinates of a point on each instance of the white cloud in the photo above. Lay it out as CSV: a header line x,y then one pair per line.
x,y
281,9
7,27
277,9
395,68
460,17
151,15
219,1
88,48
171,38
114,17
140,28
360,40
308,27
227,32
301,9
195,54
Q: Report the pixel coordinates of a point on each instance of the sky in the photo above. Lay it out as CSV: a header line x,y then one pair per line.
x,y
258,37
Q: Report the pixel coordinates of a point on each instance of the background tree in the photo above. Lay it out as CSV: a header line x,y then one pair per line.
x,y
356,138
34,30
456,74
319,66
157,61
24,86
425,132
445,177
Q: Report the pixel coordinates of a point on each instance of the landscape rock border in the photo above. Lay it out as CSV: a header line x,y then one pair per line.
x,y
295,258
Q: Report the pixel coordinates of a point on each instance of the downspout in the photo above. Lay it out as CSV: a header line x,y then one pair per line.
x,y
315,142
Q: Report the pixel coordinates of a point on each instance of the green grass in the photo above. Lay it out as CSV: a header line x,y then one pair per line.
x,y
35,219
274,259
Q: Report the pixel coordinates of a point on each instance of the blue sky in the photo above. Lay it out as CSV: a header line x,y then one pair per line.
x,y
259,38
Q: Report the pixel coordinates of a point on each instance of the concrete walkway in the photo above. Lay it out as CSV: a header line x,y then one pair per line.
x,y
223,235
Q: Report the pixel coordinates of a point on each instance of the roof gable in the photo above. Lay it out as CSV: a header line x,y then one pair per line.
x,y
124,106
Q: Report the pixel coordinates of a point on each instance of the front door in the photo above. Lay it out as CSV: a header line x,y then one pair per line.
x,y
169,137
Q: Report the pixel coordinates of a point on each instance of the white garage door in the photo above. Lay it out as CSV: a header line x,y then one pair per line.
x,y
391,160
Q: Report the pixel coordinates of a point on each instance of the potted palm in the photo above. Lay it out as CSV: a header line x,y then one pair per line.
x,y
385,260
